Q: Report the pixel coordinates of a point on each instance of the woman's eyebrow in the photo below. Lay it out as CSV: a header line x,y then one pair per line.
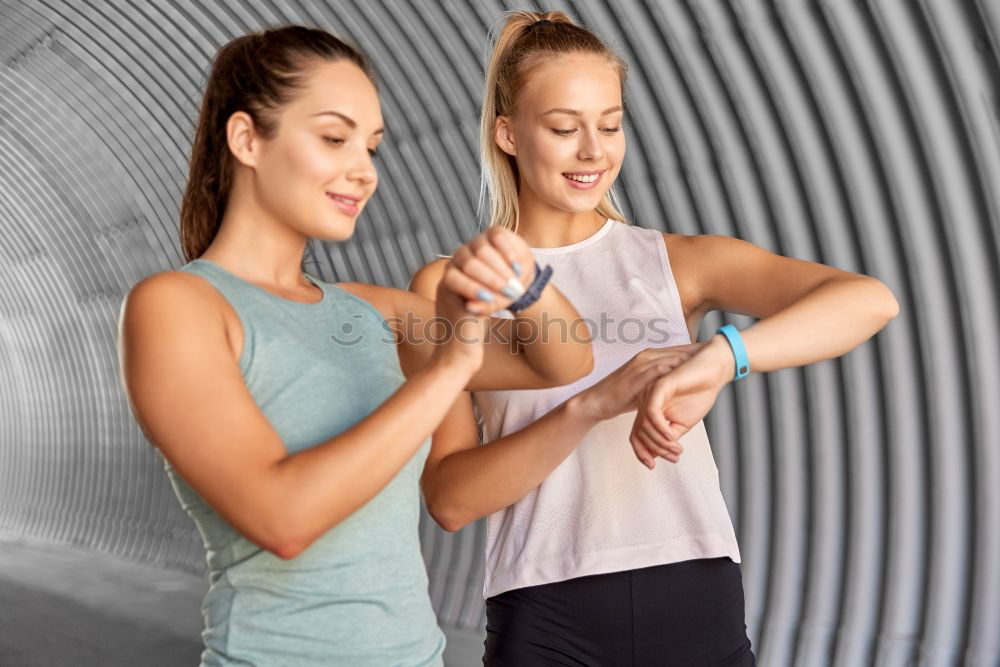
x,y
347,119
574,112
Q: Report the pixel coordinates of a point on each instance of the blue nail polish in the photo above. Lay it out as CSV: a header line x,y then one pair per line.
x,y
513,289
484,295
516,266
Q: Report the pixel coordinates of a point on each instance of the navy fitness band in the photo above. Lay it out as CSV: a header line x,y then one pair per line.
x,y
534,290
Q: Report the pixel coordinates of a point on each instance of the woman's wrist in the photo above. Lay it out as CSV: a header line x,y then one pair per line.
x,y
722,357
459,364
582,409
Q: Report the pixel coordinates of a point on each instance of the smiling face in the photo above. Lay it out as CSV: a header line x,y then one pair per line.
x,y
565,133
316,172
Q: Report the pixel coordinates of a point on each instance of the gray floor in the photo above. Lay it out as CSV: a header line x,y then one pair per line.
x,y
68,606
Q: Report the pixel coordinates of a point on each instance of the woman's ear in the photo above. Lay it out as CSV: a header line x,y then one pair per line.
x,y
243,140
503,134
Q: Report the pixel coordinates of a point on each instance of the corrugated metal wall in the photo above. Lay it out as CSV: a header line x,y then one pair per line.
x,y
864,135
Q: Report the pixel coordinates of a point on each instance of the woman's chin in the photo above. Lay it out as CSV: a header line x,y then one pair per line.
x,y
339,230
581,204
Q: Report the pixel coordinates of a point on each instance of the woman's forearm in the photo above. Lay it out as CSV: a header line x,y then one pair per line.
x,y
830,321
317,488
472,483
554,338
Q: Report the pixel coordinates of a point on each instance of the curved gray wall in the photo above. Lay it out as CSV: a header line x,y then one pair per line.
x,y
865,135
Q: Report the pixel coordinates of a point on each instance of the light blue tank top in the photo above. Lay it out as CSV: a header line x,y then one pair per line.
x,y
358,595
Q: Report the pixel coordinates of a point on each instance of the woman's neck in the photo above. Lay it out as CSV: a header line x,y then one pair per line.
x,y
258,247
543,226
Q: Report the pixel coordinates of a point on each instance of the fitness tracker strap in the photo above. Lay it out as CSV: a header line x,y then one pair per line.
x,y
534,290
732,334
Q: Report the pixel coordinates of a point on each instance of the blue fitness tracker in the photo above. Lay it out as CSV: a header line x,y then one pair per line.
x,y
732,334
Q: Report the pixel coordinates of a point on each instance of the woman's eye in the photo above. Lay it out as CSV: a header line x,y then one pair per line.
x,y
563,133
611,130
333,140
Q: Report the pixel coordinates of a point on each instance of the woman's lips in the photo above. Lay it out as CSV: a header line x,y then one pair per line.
x,y
583,180
345,203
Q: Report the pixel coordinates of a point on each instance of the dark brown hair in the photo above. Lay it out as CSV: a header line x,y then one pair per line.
x,y
256,73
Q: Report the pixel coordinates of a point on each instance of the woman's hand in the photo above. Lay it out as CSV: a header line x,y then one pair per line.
x,y
481,278
618,391
671,405
495,269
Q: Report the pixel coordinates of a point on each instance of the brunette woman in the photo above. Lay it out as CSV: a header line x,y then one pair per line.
x,y
294,413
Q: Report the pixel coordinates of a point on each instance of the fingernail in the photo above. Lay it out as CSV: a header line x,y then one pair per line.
x,y
513,289
516,265
484,295
472,309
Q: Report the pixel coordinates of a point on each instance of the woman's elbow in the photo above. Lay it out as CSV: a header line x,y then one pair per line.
x,y
565,373
285,539
893,307
280,543
887,301
449,525
445,516
283,545
587,365
586,369
287,551
289,547
583,338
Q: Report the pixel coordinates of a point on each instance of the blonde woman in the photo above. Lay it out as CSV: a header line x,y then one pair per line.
x,y
596,555
293,413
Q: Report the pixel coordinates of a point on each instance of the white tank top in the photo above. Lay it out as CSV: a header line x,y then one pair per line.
x,y
601,510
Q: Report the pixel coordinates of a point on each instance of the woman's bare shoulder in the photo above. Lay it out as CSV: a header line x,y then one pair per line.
x,y
170,297
161,294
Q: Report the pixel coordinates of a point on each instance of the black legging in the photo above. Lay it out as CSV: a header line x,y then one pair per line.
x,y
682,614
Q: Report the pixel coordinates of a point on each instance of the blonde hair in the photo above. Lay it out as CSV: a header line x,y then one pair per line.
x,y
521,45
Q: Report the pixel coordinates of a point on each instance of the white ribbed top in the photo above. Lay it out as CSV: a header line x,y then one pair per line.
x,y
601,510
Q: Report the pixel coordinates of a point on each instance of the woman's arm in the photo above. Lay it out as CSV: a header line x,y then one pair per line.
x,y
185,389
518,353
810,312
463,482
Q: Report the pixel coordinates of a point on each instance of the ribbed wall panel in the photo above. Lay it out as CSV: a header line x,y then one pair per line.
x,y
866,135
